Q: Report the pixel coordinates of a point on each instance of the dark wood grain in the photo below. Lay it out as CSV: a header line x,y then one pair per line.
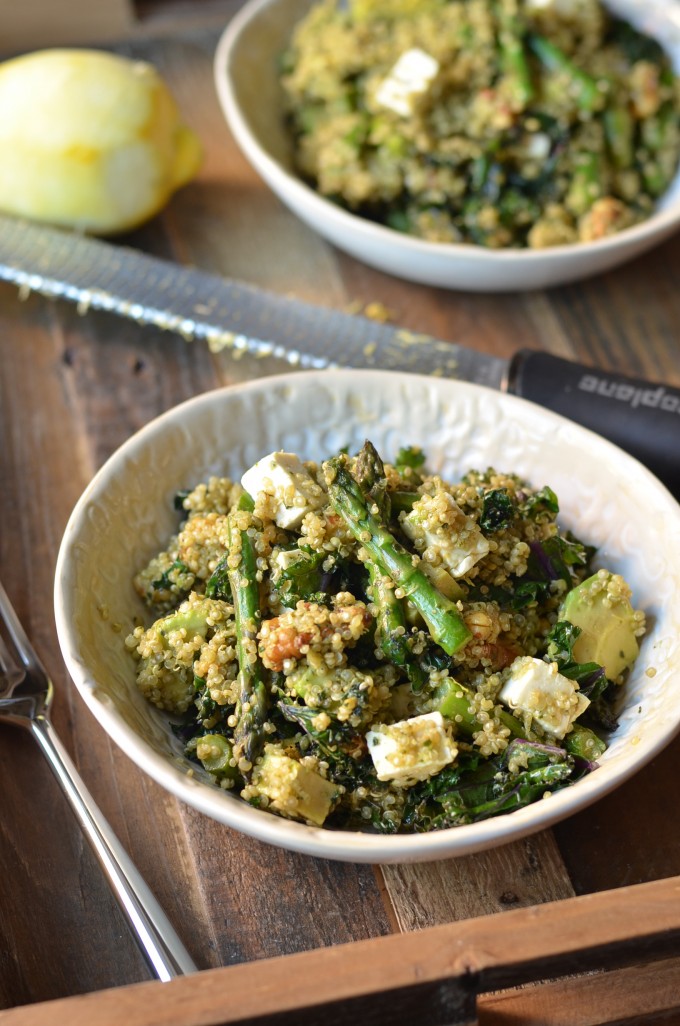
x,y
88,384
517,875
73,387
629,837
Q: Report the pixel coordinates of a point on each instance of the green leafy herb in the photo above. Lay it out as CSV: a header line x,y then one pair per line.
x,y
498,511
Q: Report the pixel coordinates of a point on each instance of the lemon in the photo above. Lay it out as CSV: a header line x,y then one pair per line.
x,y
89,140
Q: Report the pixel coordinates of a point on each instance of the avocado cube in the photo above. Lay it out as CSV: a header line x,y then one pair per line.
x,y
293,789
601,607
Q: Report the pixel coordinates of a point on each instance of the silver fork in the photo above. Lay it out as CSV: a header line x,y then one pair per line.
x,y
25,699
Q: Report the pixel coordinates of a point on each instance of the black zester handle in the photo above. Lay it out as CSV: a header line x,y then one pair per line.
x,y
641,417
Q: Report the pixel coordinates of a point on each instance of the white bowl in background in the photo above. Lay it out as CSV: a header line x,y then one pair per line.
x,y
126,516
246,80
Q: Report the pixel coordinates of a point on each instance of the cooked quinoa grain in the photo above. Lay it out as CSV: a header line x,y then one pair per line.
x,y
501,123
409,653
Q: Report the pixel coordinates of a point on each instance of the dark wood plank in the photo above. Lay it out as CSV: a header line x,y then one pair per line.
x,y
51,886
627,320
638,996
630,836
521,874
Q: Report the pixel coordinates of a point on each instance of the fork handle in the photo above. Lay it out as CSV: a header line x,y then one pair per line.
x,y
164,951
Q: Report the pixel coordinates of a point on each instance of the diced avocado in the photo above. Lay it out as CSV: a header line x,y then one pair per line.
x,y
168,650
293,789
315,688
601,607
196,615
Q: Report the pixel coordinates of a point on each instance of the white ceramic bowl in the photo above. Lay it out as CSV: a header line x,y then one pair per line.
x,y
248,90
125,516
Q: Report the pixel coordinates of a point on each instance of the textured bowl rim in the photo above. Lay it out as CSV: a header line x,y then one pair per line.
x,y
339,845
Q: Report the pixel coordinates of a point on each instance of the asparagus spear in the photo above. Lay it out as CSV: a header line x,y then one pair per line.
x,y
392,633
453,700
402,502
586,185
369,472
619,132
217,586
514,59
656,131
443,619
586,91
251,708
584,742
658,135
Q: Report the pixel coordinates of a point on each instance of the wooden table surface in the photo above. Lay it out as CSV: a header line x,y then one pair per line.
x,y
72,388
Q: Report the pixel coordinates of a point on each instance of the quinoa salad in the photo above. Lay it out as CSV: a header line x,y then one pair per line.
x,y
500,123
362,645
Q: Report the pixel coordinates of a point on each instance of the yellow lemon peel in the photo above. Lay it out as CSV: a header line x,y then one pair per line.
x,y
90,140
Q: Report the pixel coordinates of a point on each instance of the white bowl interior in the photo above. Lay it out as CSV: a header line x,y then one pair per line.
x,y
125,516
246,80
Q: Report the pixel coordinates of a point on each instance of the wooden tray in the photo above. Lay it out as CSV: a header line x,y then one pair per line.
x,y
498,938
598,959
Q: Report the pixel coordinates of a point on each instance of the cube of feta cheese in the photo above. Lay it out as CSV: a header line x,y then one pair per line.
x,y
565,7
292,488
409,79
412,749
443,534
536,687
284,559
538,146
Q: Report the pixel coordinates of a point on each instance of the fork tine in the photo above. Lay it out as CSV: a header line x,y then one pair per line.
x,y
24,649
